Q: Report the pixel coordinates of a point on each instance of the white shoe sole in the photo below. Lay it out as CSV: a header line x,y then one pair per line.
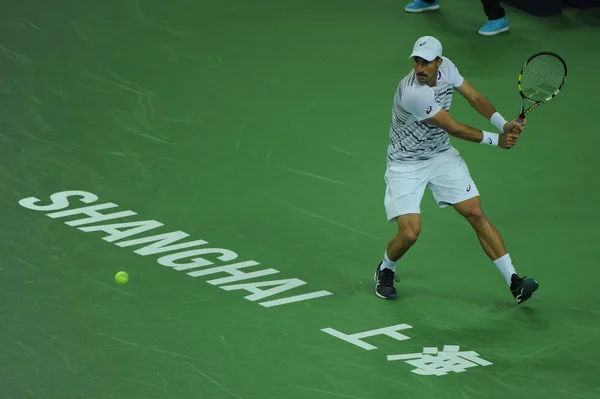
x,y
432,8
494,32
393,296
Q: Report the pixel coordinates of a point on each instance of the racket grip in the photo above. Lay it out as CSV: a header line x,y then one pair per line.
x,y
520,120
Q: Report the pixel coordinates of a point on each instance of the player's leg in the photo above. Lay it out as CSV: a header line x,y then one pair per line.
x,y
497,19
453,185
489,237
409,228
405,185
422,6
493,244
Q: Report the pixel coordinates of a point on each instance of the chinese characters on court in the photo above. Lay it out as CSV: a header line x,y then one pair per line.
x,y
431,361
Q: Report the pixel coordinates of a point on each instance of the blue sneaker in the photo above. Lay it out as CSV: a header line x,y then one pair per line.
x,y
421,6
522,287
494,27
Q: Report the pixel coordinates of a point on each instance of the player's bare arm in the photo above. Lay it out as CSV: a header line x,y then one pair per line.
x,y
444,120
484,106
477,100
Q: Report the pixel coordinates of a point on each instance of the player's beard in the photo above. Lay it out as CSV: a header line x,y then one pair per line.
x,y
423,78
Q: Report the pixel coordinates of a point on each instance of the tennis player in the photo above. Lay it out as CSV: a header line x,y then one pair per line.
x,y
420,156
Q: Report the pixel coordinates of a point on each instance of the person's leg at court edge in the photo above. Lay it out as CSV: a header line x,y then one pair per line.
x,y
497,21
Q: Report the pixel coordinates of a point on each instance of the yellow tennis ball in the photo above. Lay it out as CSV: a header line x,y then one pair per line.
x,y
121,278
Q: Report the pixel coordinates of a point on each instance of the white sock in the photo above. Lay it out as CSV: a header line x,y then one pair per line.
x,y
387,263
505,266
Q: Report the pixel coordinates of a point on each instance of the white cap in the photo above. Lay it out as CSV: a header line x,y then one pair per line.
x,y
427,47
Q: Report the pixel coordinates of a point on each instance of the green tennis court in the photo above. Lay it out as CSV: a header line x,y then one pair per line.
x,y
229,156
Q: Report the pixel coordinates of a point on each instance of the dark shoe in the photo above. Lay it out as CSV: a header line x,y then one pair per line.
x,y
522,287
384,283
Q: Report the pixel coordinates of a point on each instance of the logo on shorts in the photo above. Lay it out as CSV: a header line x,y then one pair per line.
x,y
428,110
468,188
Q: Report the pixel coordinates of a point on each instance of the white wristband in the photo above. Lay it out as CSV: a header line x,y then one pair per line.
x,y
498,121
490,138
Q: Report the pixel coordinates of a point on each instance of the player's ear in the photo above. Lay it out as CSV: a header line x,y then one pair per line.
x,y
439,61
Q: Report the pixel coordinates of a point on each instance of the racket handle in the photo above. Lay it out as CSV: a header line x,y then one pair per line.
x,y
520,120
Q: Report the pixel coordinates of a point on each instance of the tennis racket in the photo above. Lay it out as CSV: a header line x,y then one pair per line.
x,y
541,78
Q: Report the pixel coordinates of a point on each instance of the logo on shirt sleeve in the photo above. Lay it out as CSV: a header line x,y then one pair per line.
x,y
428,110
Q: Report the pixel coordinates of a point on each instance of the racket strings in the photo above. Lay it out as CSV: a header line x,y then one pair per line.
x,y
542,77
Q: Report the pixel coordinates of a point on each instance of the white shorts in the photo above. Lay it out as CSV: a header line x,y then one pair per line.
x,y
446,175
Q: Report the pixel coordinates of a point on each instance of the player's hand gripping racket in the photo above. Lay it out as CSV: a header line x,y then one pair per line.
x,y
540,80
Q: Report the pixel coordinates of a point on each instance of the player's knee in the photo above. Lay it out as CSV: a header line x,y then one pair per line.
x,y
475,215
409,236
409,228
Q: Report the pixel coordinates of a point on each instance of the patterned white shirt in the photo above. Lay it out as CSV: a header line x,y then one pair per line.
x,y
411,138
